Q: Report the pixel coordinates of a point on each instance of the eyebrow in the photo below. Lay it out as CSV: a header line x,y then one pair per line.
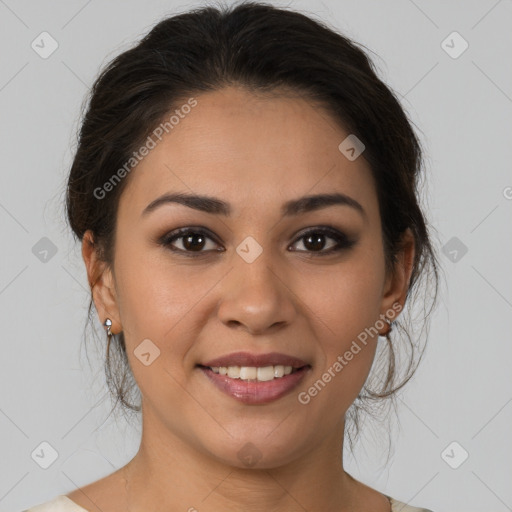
x,y
216,206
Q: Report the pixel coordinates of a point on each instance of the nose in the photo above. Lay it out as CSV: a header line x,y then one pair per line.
x,y
256,297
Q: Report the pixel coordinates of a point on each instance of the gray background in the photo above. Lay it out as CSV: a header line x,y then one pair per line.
x,y
462,391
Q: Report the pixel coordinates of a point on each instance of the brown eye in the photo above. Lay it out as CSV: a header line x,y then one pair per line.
x,y
196,241
188,240
314,241
193,241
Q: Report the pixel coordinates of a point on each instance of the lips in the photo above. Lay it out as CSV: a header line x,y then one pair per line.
x,y
255,379
257,360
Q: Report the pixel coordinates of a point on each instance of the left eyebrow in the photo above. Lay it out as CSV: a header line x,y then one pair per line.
x,y
217,206
319,201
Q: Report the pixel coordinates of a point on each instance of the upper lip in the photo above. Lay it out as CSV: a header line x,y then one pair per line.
x,y
258,360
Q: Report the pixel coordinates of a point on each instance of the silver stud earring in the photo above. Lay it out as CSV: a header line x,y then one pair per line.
x,y
108,325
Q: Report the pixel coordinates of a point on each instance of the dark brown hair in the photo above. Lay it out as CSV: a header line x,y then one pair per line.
x,y
266,50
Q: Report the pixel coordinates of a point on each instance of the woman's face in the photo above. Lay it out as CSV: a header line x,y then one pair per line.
x,y
259,279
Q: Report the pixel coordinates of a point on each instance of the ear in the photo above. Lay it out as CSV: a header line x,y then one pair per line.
x,y
101,282
397,281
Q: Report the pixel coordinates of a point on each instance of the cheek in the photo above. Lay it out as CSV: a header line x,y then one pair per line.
x,y
155,304
346,304
165,303
161,301
152,291
348,299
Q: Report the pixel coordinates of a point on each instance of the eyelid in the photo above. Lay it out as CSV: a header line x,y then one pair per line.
x,y
343,241
178,233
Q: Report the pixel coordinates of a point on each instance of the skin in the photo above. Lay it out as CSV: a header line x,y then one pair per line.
x,y
289,300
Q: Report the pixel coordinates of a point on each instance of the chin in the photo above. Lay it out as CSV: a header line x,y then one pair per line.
x,y
258,451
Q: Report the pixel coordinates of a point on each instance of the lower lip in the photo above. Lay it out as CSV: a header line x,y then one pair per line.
x,y
256,392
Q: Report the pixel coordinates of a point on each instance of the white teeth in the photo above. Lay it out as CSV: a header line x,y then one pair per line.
x,y
248,372
278,370
262,374
234,372
266,373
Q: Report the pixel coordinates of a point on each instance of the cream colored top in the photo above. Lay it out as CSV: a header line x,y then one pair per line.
x,y
62,503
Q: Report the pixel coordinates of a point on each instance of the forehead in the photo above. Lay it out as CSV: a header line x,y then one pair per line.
x,y
251,150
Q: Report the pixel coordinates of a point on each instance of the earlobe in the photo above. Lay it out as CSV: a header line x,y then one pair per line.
x,y
101,282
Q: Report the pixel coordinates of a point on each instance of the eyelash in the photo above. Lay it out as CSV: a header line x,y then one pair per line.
x,y
343,242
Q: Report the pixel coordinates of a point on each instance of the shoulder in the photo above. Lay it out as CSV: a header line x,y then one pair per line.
x,y
398,506
60,503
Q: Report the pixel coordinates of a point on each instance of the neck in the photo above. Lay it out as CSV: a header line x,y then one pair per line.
x,y
169,474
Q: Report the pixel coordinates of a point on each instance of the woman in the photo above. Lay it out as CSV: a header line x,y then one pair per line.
x,y
245,191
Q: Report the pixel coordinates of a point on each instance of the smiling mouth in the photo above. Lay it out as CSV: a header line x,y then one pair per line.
x,y
254,373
